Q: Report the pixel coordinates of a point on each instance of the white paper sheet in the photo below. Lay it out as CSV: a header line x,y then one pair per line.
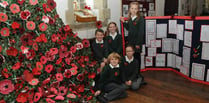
x,y
142,62
198,71
161,30
172,27
184,70
180,31
152,52
205,49
186,56
143,50
175,46
204,33
188,38
155,43
151,6
189,24
150,26
160,60
125,10
149,61
167,45
207,76
171,60
178,62
149,38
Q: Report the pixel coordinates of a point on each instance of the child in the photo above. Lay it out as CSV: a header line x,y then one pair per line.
x,y
136,27
130,69
100,48
110,81
114,39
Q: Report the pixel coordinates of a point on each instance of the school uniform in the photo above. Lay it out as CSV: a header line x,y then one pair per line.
x,y
130,71
115,43
100,50
110,83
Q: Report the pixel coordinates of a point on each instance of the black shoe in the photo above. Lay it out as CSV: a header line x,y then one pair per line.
x,y
102,99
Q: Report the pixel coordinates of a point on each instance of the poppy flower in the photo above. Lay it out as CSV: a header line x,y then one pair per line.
x,y
134,23
0,48
80,88
36,71
35,46
15,25
54,51
39,65
16,66
85,43
43,59
59,97
30,95
5,73
89,98
4,4
41,38
30,25
98,24
59,61
2,59
79,46
67,28
33,2
53,90
25,14
59,77
80,77
12,51
31,54
91,75
14,8
37,97
22,97
49,56
67,73
27,39
110,41
101,45
48,100
71,95
68,60
49,68
62,91
2,101
54,38
24,49
34,81
46,8
5,31
3,17
73,71
45,19
51,4
116,73
20,1
73,49
27,76
42,27
6,86
63,51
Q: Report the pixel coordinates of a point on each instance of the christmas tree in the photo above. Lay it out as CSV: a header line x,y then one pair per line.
x,y
41,59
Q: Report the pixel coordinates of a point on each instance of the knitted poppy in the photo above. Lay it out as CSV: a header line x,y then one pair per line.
x,y
37,97
16,66
39,65
26,39
43,59
54,51
27,76
59,97
3,17
42,27
24,49
33,2
12,51
22,97
91,75
73,49
15,25
59,77
25,14
98,24
5,73
4,4
85,43
45,19
5,31
6,86
36,71
35,46
51,4
67,73
48,100
14,8
62,90
49,68
79,46
31,54
54,38
49,56
80,77
0,48
73,71
59,61
30,25
34,81
80,88
20,1
41,38
71,95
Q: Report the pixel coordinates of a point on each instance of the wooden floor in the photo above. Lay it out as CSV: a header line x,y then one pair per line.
x,y
167,87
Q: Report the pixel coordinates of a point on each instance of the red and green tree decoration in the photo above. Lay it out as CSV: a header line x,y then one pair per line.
x,y
41,59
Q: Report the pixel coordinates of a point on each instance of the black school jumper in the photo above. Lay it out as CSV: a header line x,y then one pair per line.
x,y
115,45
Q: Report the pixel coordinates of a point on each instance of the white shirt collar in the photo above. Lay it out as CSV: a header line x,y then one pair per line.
x,y
113,67
128,60
99,42
134,17
113,36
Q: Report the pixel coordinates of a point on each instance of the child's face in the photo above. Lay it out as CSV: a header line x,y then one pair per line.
x,y
129,52
112,28
114,62
99,36
134,9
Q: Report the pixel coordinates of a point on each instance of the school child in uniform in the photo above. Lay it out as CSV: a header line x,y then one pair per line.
x,y
110,81
114,39
130,69
135,24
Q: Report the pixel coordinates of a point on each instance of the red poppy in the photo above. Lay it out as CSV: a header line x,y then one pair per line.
x,y
80,88
67,73
3,17
91,75
0,48
80,77
54,51
14,8
12,51
33,2
125,64
43,27
37,97
24,49
49,68
4,4
110,41
46,81
59,77
73,71
30,95
25,14
31,54
101,45
79,46
63,51
89,98
43,59
39,65
34,81
73,49
6,86
49,56
62,91
71,95
15,25
5,31
54,38
20,1
2,101
35,46
45,19
59,97
134,23
48,100
22,97
53,90
31,25
27,76
46,8
116,73
5,73
68,60
67,28
59,61
26,39
41,38
36,71
85,43
98,24
51,4
16,66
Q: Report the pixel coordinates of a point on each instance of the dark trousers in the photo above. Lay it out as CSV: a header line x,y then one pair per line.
x,y
114,91
137,55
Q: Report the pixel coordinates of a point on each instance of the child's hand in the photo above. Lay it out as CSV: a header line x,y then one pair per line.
x,y
123,19
105,60
97,93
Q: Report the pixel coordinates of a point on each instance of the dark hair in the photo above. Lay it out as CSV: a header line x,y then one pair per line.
x,y
107,32
99,30
129,45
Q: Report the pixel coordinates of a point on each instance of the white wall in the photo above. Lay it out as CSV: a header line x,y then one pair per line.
x,y
160,5
62,6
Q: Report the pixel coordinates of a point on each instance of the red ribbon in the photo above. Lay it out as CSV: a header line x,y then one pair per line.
x,y
123,37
